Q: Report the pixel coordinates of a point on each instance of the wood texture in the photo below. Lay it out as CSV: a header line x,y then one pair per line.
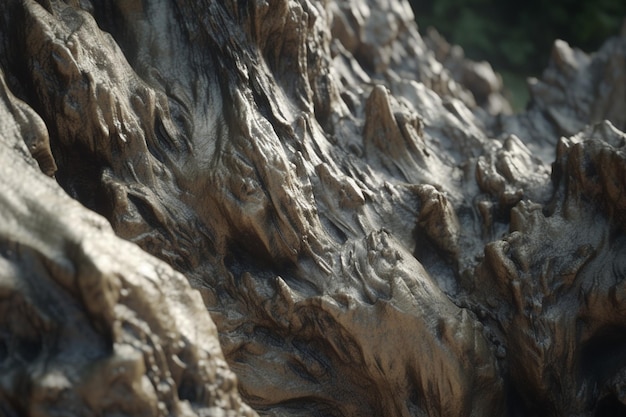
x,y
312,197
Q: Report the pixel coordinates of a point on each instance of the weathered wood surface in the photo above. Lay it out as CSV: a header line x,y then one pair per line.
x,y
366,228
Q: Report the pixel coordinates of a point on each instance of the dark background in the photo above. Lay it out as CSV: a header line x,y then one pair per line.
x,y
517,37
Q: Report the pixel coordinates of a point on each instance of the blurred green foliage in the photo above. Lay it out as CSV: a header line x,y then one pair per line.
x,y
517,37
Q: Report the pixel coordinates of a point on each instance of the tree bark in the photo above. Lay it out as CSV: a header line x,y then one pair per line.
x,y
312,197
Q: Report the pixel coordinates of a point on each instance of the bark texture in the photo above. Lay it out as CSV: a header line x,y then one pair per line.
x,y
341,213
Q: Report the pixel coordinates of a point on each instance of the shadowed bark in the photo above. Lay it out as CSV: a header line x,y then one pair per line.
x,y
341,213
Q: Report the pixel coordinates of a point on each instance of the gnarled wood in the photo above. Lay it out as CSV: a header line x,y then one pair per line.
x,y
369,228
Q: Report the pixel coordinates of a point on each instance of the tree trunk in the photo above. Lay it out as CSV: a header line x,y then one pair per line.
x,y
342,214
